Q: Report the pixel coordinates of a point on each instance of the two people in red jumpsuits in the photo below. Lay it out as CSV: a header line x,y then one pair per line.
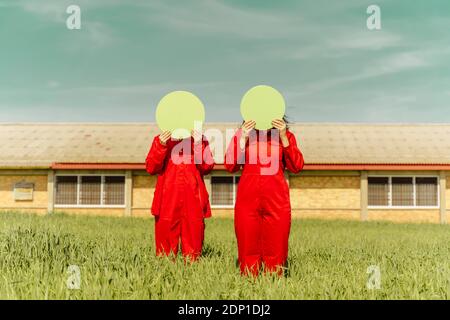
x,y
262,210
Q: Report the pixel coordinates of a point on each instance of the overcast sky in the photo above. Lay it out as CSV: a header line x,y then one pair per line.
x,y
318,53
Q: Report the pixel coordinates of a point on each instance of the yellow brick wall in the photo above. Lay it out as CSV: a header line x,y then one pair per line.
x,y
322,192
325,197
405,215
222,213
40,196
329,197
38,211
143,189
143,213
447,196
346,214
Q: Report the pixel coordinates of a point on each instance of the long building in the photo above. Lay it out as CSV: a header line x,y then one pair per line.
x,y
396,172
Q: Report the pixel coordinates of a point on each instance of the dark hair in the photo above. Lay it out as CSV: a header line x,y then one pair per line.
x,y
287,120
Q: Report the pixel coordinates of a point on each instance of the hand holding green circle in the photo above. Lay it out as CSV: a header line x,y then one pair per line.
x,y
178,111
263,104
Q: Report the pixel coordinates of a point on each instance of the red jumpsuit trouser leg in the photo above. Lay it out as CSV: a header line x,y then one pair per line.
x,y
262,223
181,221
276,227
247,224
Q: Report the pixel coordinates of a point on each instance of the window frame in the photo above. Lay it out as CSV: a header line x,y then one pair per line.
x,y
225,206
414,206
102,188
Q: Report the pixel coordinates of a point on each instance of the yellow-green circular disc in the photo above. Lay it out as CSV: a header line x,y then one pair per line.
x,y
263,104
178,112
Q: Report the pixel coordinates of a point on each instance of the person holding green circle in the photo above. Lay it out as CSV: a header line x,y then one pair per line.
x,y
263,147
180,156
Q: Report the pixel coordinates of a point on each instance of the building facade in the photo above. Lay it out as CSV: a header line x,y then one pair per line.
x,y
394,172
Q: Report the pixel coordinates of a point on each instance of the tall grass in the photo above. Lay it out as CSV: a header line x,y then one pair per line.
x,y
327,260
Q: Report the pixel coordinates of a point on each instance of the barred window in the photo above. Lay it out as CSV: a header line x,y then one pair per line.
x,y
66,190
114,193
378,191
403,192
223,190
427,191
87,190
90,190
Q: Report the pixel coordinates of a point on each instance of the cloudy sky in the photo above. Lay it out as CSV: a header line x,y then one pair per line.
x,y
318,53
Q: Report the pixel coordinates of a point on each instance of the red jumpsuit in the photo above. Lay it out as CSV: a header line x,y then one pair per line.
x,y
263,210
181,201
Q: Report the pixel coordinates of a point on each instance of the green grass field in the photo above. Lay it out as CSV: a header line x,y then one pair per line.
x,y
327,260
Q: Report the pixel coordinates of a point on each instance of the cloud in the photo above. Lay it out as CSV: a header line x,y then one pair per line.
x,y
52,84
94,35
54,11
58,89
364,40
316,52
343,43
386,65
394,63
214,17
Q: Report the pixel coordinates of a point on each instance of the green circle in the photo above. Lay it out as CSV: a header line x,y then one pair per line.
x,y
178,111
263,104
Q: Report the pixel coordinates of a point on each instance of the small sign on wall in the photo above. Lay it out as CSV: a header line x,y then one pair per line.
x,y
23,191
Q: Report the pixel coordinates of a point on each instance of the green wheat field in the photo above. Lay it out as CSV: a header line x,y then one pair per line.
x,y
115,257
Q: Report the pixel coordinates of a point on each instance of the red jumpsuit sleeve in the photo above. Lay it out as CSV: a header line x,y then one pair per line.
x,y
156,157
203,157
234,157
292,155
